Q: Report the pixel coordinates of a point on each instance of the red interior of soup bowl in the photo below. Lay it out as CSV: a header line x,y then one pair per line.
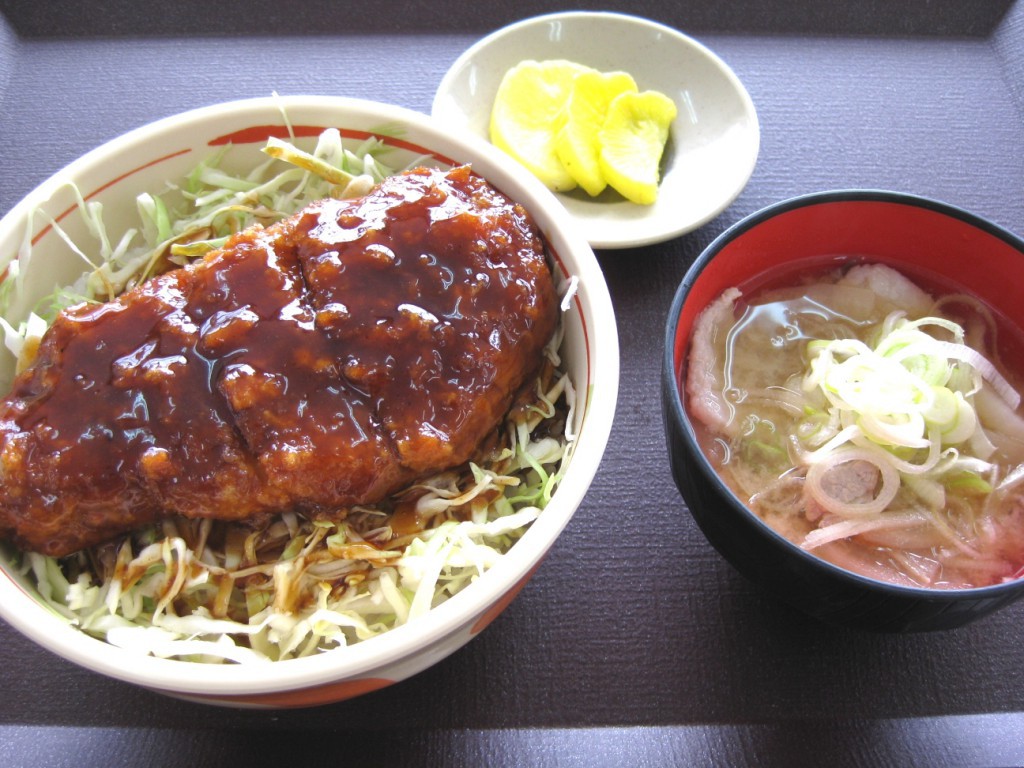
x,y
932,242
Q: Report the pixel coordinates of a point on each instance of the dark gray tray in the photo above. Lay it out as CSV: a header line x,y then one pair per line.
x,y
634,643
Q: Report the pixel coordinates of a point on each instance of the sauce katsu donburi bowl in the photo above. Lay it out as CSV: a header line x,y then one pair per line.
x,y
499,325
841,394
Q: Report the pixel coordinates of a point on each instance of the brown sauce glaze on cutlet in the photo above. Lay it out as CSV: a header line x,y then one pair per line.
x,y
324,361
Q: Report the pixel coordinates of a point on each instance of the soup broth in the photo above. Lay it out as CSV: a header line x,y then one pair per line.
x,y
868,421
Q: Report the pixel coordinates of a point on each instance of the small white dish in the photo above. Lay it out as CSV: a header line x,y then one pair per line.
x,y
713,143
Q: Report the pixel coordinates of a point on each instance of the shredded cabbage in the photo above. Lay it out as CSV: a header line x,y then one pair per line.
x,y
295,587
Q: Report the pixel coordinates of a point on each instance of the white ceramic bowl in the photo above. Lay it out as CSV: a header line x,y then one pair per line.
x,y
144,160
713,143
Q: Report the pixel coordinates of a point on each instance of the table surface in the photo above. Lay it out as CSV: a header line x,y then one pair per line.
x,y
635,642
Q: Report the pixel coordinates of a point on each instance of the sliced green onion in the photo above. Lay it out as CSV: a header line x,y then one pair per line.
x,y
906,406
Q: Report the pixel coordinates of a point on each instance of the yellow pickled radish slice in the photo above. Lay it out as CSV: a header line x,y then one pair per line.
x,y
528,113
577,144
632,141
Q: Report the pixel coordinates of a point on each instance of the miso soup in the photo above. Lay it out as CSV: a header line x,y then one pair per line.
x,y
869,421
